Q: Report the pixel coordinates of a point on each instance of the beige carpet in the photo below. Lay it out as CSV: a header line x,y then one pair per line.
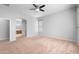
x,y
39,44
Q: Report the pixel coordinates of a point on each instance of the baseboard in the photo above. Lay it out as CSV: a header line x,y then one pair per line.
x,y
1,39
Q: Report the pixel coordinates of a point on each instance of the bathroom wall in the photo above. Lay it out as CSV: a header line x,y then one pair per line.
x,y
61,25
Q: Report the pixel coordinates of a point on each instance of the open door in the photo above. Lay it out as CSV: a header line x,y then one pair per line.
x,y
4,29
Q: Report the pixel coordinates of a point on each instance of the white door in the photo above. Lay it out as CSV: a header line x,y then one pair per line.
x,y
4,29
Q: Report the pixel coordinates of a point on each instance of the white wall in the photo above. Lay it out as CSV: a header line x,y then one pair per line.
x,y
78,24
12,16
40,26
6,12
62,24
24,27
32,27
12,30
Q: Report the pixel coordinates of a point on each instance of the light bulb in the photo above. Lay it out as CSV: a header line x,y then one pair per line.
x,y
37,9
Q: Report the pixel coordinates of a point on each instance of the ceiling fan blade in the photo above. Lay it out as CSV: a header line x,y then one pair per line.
x,y
42,6
32,9
35,5
42,10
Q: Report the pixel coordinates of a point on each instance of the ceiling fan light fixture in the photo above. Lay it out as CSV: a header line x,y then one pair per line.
x,y
37,9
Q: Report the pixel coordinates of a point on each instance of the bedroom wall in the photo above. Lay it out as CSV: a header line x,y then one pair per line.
x,y
12,14
61,25
32,27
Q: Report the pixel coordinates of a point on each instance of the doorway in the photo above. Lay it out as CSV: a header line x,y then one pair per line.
x,y
21,28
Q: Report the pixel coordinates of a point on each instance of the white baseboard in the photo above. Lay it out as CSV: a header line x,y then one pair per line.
x,y
4,38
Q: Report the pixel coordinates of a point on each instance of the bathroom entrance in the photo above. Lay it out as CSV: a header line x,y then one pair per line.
x,y
21,28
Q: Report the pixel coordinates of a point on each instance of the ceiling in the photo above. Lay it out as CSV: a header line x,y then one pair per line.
x,y
49,8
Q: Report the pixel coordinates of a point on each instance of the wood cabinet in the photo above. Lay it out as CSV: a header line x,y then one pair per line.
x,y
19,33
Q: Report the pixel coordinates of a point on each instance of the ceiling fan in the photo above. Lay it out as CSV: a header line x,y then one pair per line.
x,y
38,7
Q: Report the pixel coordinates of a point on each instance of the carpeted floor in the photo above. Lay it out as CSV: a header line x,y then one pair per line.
x,y
39,45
